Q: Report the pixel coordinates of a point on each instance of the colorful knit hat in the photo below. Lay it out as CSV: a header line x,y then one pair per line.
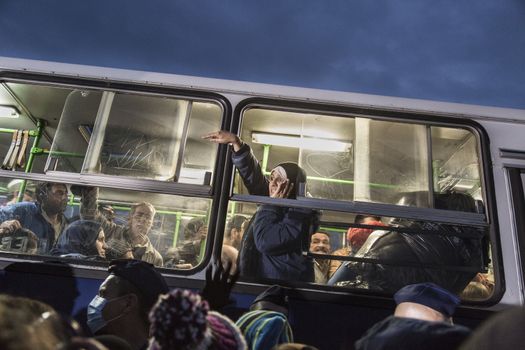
x,y
181,320
264,329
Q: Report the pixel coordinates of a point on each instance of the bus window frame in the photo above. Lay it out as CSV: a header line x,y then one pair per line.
x,y
517,195
212,192
352,111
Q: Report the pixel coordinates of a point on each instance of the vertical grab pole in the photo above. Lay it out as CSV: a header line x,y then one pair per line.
x,y
30,160
178,217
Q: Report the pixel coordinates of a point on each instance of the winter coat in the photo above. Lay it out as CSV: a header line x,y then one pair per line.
x,y
78,238
280,234
445,245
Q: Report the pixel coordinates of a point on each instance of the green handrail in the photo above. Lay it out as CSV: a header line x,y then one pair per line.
x,y
30,160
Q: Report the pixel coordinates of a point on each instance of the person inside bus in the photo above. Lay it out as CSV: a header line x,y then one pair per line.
x,y
234,231
229,255
14,188
355,239
45,217
83,239
274,242
421,320
438,244
124,300
320,244
124,241
187,253
356,236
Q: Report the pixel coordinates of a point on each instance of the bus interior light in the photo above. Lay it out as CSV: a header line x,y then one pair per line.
x,y
9,112
296,141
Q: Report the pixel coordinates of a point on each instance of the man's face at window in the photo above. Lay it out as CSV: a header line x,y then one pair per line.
x,y
320,243
55,201
141,220
237,233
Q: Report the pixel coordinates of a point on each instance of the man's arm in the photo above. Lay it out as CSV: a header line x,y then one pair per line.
x,y
89,211
250,171
243,158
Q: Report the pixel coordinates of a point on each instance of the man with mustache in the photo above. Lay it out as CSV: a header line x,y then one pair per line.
x,y
320,244
128,241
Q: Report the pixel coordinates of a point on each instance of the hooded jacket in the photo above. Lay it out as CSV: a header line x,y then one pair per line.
x,y
280,234
78,240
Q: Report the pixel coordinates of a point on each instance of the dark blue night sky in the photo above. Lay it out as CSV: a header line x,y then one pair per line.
x,y
469,51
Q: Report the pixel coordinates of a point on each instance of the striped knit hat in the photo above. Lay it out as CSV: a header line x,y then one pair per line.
x,y
181,320
264,329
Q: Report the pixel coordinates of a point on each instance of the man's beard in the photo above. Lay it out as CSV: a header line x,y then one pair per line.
x,y
54,209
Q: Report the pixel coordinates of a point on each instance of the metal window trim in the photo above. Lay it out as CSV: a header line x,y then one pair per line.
x,y
388,210
395,263
109,181
517,197
382,113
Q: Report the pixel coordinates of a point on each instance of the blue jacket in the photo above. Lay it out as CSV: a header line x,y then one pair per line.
x,y
281,234
29,214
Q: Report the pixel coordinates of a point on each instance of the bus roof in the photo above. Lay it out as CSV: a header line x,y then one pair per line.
x,y
250,89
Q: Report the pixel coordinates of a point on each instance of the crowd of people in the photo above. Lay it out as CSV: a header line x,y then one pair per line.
x,y
270,245
136,309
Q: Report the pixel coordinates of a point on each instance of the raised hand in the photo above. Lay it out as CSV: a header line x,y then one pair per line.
x,y
282,190
224,137
218,285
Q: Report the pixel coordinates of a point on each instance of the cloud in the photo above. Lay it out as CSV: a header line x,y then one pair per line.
x,y
468,51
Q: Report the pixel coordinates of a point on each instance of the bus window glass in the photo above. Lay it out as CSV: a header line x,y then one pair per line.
x,y
391,159
403,245
112,133
144,136
366,160
199,155
74,131
455,162
45,103
66,221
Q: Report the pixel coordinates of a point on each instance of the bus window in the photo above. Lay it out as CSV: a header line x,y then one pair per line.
x,y
137,136
92,131
42,101
366,160
65,221
379,162
400,252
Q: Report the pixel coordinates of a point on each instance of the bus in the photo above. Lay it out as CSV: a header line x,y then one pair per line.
x,y
137,137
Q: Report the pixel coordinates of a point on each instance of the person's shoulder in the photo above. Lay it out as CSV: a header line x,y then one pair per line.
x,y
22,207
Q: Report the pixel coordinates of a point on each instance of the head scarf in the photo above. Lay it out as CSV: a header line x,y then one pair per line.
x,y
294,173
